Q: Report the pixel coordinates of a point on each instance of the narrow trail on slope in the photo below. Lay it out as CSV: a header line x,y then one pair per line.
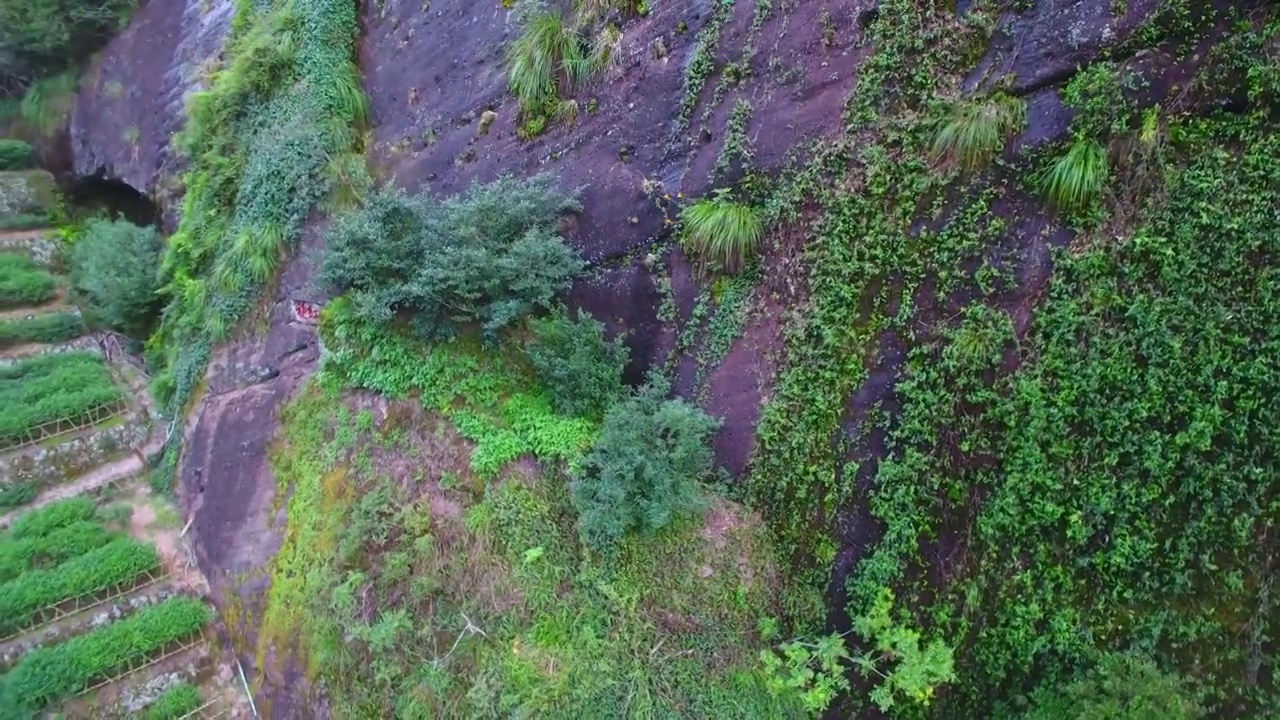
x,y
100,476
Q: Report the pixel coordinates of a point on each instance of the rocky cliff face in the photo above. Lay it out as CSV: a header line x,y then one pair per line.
x,y
432,71
133,97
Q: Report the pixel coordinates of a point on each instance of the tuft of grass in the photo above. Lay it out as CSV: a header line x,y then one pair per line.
x,y
977,130
591,10
549,59
547,54
1077,178
721,231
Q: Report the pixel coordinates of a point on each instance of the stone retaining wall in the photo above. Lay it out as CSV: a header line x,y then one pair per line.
x,y
79,453
88,343
42,248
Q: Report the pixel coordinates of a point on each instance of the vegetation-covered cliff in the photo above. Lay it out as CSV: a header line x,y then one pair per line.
x,y
728,359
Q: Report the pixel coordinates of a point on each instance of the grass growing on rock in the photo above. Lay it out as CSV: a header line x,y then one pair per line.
x,y
266,142
976,131
721,231
1076,178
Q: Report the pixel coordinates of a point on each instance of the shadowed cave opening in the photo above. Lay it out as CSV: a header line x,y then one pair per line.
x,y
117,199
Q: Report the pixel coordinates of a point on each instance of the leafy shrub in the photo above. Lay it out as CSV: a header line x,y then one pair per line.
x,y
45,329
22,282
118,562
490,256
47,675
1077,178
44,37
51,517
113,265
17,494
73,540
642,474
977,130
721,231
1120,686
16,155
581,368
67,389
916,670
177,701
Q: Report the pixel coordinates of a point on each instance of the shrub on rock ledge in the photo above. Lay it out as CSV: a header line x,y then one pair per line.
x,y
487,258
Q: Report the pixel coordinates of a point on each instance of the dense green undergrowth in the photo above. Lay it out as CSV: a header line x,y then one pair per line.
x,y
274,134
1109,496
463,590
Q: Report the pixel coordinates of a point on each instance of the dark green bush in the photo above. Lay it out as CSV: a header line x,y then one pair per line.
x,y
118,562
23,283
489,257
17,494
16,155
73,540
51,517
113,266
642,474
45,329
577,363
47,675
1120,686
174,703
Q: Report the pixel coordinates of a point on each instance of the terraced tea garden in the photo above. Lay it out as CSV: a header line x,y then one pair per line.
x,y
102,612
101,618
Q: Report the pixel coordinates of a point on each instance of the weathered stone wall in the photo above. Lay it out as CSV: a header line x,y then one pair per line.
x,y
64,459
29,192
39,246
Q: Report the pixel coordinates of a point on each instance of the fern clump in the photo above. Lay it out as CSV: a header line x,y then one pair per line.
x,y
1077,178
721,231
976,131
